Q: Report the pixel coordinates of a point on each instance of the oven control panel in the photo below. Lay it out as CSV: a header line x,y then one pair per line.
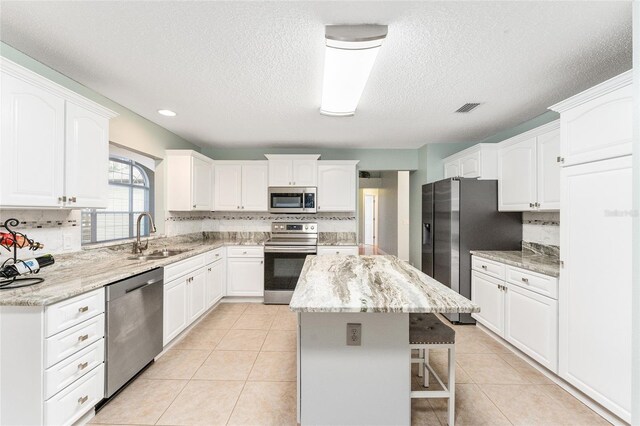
x,y
294,228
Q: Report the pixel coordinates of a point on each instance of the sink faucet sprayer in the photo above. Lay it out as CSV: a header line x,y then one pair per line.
x,y
138,248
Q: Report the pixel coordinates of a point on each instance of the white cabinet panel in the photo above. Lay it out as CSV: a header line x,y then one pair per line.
x,y
336,187
245,276
175,309
71,404
305,172
548,170
452,169
228,187
470,165
197,298
598,129
201,187
595,283
31,145
531,325
486,292
280,172
255,195
517,176
216,282
87,158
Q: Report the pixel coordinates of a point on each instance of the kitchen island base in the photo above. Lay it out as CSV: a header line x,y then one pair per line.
x,y
368,384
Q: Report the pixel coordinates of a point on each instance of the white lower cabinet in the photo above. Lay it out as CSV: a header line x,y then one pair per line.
x,y
517,312
175,309
196,294
245,271
216,282
52,365
486,291
531,325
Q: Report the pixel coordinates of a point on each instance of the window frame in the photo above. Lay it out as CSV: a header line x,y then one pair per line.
x,y
149,199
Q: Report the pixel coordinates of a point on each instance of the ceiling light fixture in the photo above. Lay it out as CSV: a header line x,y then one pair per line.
x,y
349,55
167,112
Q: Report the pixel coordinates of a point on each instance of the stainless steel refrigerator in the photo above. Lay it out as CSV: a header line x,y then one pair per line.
x,y
459,215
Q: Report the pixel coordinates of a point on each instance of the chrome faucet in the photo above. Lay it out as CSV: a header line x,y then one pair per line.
x,y
138,248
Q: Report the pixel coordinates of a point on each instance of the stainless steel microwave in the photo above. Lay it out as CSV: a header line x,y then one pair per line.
x,y
284,199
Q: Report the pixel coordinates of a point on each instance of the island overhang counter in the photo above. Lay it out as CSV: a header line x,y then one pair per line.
x,y
369,384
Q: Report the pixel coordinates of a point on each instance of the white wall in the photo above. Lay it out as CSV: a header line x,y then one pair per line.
x,y
403,215
388,213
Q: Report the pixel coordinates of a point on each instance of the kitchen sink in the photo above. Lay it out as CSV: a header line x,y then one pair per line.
x,y
158,254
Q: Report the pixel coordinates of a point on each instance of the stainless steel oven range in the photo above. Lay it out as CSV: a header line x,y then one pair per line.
x,y
284,255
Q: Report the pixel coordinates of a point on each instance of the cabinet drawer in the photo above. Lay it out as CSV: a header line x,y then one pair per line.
x,y
214,255
489,267
539,283
71,369
68,342
175,270
338,250
70,312
243,251
76,400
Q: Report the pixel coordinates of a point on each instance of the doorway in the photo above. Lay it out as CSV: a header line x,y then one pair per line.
x,y
370,218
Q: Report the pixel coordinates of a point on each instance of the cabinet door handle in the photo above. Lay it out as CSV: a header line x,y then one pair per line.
x,y
83,337
261,262
525,280
72,199
83,365
484,267
83,399
238,207
83,309
194,206
62,199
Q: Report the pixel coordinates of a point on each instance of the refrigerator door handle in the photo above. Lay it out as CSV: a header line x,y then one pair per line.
x,y
426,229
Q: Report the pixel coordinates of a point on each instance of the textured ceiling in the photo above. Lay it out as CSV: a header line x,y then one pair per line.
x,y
250,73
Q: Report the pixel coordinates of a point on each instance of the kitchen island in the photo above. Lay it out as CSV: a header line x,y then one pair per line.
x,y
370,383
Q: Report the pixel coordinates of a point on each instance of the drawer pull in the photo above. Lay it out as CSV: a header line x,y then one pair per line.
x,y
244,252
83,337
83,399
83,365
83,309
217,254
483,267
525,280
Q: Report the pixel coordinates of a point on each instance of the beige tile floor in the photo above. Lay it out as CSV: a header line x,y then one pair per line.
x,y
238,366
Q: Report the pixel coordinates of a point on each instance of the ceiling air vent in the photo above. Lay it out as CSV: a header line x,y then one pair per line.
x,y
468,107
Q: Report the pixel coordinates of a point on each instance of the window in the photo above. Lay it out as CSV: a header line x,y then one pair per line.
x,y
130,193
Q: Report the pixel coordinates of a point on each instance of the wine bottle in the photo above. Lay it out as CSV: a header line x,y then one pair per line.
x,y
24,267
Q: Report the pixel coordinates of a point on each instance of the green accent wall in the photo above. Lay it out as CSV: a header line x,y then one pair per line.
x,y
370,159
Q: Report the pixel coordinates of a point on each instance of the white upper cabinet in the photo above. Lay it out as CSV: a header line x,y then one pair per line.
x,y
517,176
40,122
598,123
479,161
255,193
241,185
189,181
337,186
528,170
293,170
87,158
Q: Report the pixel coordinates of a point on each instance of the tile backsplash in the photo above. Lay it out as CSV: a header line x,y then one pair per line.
x,y
178,223
541,228
58,230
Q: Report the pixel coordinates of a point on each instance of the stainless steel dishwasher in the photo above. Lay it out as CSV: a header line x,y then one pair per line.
x,y
133,326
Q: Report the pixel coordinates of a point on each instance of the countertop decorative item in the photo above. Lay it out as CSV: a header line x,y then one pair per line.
x,y
12,241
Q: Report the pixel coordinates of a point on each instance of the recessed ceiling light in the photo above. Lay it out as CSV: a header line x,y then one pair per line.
x,y
350,53
167,112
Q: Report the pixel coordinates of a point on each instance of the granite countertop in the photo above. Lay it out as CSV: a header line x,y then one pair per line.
x,y
337,239
525,259
86,270
372,284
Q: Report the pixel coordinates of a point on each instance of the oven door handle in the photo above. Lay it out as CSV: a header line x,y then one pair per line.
x,y
278,249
